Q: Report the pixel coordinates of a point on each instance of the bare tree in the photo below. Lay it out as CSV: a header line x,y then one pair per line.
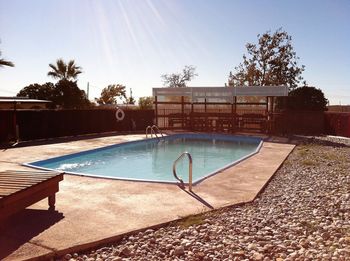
x,y
176,80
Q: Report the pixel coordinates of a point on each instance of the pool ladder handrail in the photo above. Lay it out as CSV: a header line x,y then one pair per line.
x,y
158,130
149,128
153,128
189,169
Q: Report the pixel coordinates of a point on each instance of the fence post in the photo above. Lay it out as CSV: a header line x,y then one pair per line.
x,y
182,111
156,109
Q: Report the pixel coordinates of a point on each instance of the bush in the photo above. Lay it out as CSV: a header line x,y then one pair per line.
x,y
146,103
304,99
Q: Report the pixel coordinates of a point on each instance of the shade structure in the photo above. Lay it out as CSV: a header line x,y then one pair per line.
x,y
217,108
222,93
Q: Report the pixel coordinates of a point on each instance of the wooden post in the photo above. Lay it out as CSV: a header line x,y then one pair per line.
x,y
191,116
272,114
267,116
182,112
52,201
205,113
234,114
16,126
156,109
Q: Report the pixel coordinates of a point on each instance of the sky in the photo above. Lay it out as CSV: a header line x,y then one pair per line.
x,y
134,42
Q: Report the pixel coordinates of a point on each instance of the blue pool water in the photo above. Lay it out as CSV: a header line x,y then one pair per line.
x,y
153,160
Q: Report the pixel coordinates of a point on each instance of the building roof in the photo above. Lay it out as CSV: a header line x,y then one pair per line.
x,y
21,100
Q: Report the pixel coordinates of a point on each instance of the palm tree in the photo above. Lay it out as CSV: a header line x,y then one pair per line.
x,y
3,62
64,71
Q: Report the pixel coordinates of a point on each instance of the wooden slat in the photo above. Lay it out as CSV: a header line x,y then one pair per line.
x,y
26,175
18,185
17,182
37,179
13,186
23,173
34,171
31,171
9,191
24,180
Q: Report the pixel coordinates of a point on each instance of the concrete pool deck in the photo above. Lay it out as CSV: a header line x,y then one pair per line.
x,y
91,211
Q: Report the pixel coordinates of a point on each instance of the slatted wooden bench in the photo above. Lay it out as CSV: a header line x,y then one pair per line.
x,y
20,189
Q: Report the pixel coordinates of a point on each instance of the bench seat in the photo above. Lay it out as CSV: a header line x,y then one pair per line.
x,y
20,189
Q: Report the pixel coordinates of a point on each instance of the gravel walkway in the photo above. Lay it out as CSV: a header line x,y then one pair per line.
x,y
303,214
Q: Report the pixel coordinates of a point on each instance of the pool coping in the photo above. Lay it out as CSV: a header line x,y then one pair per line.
x,y
171,136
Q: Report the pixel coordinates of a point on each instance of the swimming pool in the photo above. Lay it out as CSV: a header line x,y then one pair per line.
x,y
152,159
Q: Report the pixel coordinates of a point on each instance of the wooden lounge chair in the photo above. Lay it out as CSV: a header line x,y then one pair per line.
x,y
20,189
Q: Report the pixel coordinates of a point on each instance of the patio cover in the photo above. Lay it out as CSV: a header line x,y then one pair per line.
x,y
223,93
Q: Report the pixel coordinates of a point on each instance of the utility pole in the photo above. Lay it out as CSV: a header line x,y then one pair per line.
x,y
87,90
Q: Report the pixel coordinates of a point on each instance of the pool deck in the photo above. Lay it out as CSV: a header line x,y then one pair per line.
x,y
91,211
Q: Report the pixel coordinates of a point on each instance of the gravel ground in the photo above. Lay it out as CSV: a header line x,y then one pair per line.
x,y
303,214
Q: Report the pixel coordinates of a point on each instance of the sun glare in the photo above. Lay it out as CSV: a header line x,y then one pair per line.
x,y
129,31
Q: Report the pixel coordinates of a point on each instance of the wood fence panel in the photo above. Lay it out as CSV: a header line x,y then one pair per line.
x,y
44,124
337,123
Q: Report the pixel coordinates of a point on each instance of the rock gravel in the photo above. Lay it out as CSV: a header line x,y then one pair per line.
x,y
302,214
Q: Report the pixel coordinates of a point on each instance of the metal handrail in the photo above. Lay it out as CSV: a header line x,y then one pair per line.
x,y
148,127
159,131
152,132
153,128
189,169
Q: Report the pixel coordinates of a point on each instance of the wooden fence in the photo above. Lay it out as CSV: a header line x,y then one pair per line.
x,y
299,122
337,123
44,124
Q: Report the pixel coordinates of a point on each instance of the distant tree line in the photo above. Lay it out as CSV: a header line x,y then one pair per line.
x,y
66,93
